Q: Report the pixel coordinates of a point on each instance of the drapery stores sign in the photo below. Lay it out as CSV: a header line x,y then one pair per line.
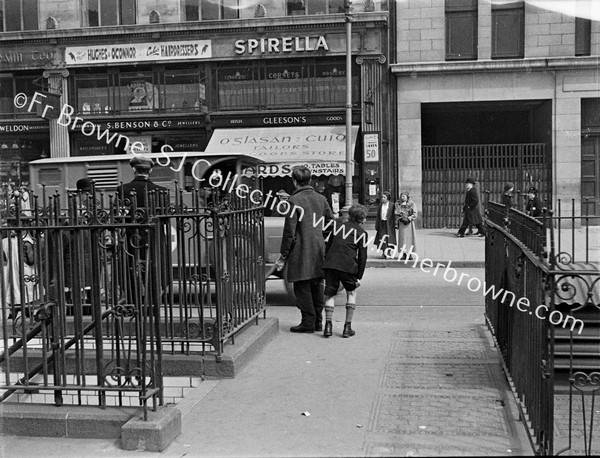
x,y
136,52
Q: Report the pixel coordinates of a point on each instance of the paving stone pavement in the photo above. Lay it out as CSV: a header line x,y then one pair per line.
x,y
442,394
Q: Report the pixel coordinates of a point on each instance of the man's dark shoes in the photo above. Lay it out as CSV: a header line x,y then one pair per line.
x,y
459,235
302,327
328,329
318,325
348,332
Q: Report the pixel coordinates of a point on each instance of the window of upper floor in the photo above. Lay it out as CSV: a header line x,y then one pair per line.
x,y
508,30
17,15
206,10
302,7
461,29
10,86
100,13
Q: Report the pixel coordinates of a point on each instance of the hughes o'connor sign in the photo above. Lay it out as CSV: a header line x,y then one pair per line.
x,y
136,52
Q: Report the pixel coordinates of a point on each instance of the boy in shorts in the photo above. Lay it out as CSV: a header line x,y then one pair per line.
x,y
345,263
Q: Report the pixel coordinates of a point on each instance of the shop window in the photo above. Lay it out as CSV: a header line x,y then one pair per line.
x,y
461,29
184,92
16,153
93,94
136,92
108,12
329,88
207,10
508,30
16,15
285,85
238,88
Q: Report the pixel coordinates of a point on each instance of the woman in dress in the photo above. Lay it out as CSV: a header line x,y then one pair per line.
x,y
406,213
384,225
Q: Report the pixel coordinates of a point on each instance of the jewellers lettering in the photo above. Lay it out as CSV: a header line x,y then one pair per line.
x,y
281,45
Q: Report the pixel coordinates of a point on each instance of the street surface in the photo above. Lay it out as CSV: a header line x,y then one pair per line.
x,y
398,287
419,378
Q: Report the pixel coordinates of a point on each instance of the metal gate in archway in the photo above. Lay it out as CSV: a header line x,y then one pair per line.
x,y
446,167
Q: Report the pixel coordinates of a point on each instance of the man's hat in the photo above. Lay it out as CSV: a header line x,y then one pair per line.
x,y
508,187
141,162
533,190
84,184
470,180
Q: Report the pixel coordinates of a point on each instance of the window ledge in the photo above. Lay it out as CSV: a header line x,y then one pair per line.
x,y
532,64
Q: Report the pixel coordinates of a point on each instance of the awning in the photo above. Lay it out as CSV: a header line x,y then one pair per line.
x,y
285,145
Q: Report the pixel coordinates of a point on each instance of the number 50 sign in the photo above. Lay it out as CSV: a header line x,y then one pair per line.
x,y
371,146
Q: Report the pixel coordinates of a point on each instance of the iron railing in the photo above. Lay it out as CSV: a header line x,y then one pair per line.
x,y
93,294
214,269
539,352
79,306
515,266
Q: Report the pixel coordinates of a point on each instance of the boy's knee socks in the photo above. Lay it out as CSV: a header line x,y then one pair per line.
x,y
350,312
328,313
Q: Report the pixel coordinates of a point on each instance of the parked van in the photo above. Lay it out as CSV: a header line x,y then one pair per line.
x,y
182,170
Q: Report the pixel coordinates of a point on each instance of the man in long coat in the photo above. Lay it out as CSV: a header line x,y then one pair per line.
x,y
471,210
303,249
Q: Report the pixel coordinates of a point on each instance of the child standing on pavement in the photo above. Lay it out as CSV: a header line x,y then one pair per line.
x,y
345,263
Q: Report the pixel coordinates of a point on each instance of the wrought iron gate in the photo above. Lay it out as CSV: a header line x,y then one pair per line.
x,y
446,167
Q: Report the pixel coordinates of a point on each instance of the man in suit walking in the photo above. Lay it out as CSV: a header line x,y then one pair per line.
x,y
303,249
471,210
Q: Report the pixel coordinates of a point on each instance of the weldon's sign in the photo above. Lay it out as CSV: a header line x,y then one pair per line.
x,y
136,52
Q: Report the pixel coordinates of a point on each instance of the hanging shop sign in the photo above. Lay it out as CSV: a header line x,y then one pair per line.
x,y
279,144
281,45
138,52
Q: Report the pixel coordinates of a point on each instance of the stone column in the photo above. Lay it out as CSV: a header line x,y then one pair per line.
x,y
59,135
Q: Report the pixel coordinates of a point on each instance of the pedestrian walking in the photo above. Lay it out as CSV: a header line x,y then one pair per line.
x,y
534,204
472,216
406,212
303,249
385,225
507,197
345,263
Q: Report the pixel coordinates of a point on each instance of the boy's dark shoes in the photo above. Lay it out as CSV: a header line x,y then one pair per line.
x,y
348,332
328,329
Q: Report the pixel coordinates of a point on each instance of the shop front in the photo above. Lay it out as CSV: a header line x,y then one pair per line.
x,y
188,94
321,148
